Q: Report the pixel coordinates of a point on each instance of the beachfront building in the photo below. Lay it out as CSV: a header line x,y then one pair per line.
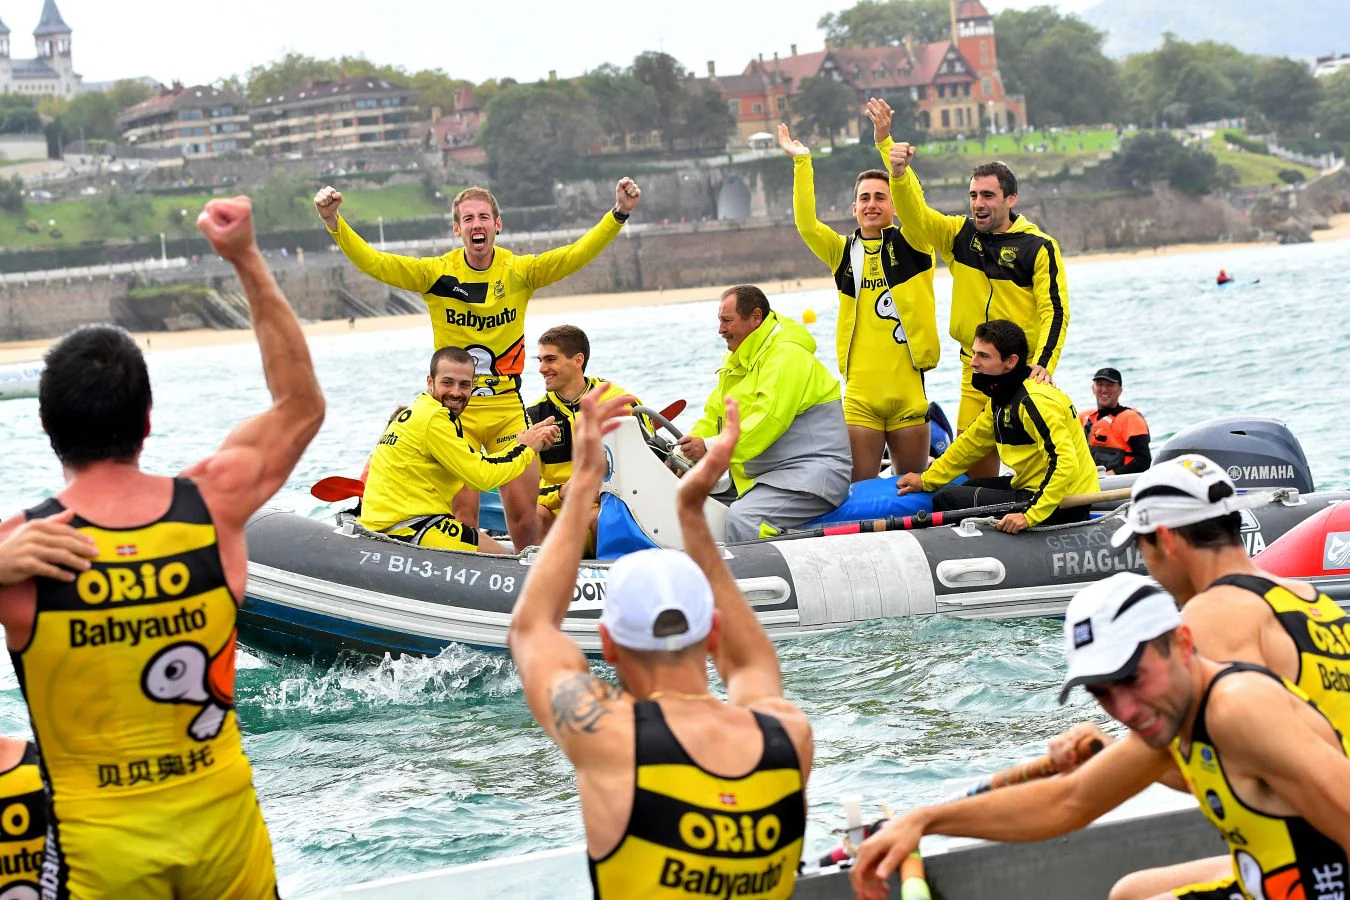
x,y
362,113
52,72
199,122
955,84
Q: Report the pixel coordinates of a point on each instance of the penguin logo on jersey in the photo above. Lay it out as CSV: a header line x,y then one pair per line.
x,y
885,309
186,673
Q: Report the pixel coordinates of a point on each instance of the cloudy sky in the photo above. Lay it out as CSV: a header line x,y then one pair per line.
x,y
196,41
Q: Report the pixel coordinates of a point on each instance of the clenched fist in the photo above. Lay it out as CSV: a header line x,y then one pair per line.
x,y
228,225
626,195
901,154
327,201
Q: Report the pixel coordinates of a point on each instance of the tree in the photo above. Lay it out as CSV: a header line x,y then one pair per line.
x,y
435,88
706,121
282,201
1284,91
623,105
91,116
824,107
1332,113
116,205
1212,81
1058,63
1158,156
126,94
882,23
11,195
19,115
532,133
666,77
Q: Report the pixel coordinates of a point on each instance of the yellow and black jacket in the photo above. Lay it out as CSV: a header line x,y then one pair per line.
x,y
693,833
1320,630
1273,856
894,311
1016,275
555,462
423,460
481,311
1035,430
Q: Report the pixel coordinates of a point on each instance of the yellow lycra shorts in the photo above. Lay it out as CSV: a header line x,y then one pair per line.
x,y
1214,890
442,532
186,844
551,500
492,423
904,404
973,402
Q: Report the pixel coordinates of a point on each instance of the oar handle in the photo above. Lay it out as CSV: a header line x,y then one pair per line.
x,y
1033,770
1073,500
913,879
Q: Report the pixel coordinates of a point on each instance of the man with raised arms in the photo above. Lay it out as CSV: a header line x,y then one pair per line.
x,y
682,794
477,296
1003,267
1267,766
128,670
886,336
424,458
1185,517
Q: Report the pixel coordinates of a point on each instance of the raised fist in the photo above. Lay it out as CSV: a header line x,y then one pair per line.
x,y
901,154
327,201
228,225
626,195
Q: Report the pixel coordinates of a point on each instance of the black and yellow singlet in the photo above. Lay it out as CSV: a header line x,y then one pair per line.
x,y
1274,856
1320,630
23,824
693,833
129,671
555,462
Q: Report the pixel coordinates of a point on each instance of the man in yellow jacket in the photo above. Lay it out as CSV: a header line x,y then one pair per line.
x,y
886,336
564,351
477,296
425,457
1033,428
792,461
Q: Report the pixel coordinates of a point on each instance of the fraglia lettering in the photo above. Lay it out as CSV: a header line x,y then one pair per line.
x,y
144,582
477,322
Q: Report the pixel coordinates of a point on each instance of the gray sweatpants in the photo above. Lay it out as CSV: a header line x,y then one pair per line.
x,y
778,507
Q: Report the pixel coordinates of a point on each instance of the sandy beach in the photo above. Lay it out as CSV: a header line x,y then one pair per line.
x,y
20,351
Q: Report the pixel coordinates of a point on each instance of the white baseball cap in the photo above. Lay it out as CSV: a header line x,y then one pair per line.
x,y
1108,624
1181,491
645,590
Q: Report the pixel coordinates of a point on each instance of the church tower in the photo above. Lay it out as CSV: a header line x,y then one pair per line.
x,y
973,32
6,63
52,36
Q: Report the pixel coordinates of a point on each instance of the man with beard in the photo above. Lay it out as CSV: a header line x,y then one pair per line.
x,y
1003,267
886,336
424,458
477,296
682,793
1267,766
1031,426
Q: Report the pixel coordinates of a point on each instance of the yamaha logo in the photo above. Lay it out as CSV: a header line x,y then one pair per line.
x,y
1235,473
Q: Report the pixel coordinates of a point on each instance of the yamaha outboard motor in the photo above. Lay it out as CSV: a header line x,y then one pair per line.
x,y
1256,452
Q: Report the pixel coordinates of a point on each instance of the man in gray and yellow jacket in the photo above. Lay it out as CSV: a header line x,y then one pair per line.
x,y
792,462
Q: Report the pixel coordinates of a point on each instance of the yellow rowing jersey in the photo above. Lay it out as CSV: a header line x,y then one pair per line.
x,y
23,826
129,671
423,460
1320,630
887,314
482,311
693,833
1274,856
555,462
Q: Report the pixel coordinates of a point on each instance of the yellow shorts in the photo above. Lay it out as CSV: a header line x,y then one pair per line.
x,y
551,500
1225,889
905,403
185,844
492,423
973,402
440,532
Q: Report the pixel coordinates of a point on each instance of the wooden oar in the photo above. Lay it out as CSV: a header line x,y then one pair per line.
x,y
336,487
1033,770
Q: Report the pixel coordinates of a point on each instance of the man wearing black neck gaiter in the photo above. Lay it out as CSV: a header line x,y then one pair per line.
x,y
1033,427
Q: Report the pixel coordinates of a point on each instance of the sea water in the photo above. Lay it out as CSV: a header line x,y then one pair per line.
x,y
369,769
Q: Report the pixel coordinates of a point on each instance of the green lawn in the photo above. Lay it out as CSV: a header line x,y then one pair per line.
x,y
402,201
1067,142
1254,169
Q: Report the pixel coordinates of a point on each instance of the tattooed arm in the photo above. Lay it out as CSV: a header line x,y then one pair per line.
x,y
562,695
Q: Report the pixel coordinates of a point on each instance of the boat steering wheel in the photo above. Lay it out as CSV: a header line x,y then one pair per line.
x,y
652,423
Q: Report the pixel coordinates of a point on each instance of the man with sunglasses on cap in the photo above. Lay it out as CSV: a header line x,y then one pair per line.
x,y
1185,517
1117,435
1268,766
663,817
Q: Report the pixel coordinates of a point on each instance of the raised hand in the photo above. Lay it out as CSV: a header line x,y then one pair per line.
x,y
699,481
880,112
47,547
901,154
791,147
596,419
228,225
626,195
327,201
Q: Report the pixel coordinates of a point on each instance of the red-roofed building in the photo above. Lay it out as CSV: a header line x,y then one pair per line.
x,y
360,113
201,121
455,133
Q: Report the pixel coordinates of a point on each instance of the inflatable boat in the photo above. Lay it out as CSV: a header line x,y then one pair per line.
x,y
20,380
319,587
1154,829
